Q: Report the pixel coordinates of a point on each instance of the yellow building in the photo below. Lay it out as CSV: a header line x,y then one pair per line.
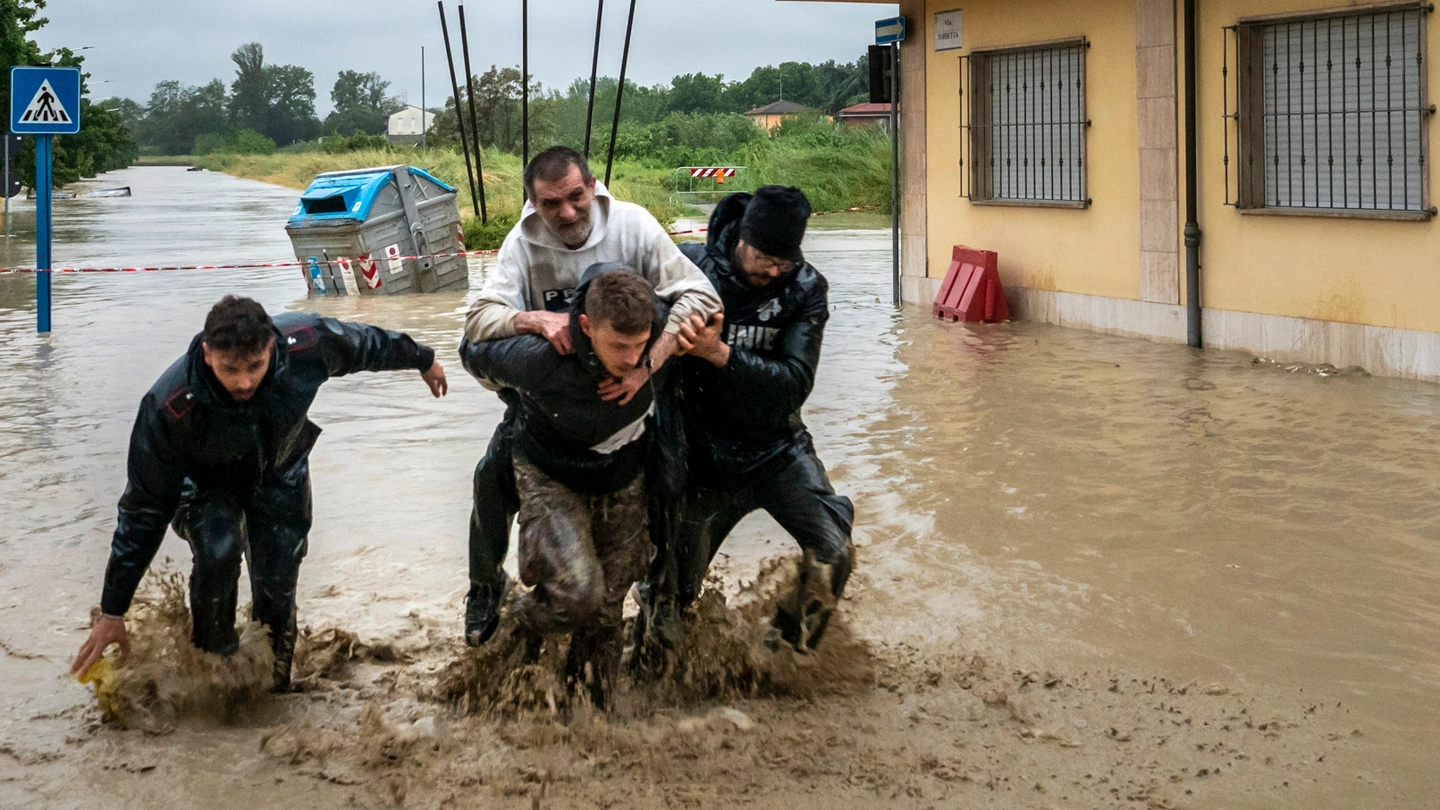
x,y
769,116
1056,134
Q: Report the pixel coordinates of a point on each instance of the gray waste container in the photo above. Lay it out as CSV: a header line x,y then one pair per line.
x,y
363,223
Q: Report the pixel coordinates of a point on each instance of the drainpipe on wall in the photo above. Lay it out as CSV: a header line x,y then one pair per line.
x,y
1192,226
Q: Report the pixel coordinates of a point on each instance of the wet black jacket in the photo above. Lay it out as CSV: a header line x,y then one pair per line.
x,y
744,419
190,428
562,417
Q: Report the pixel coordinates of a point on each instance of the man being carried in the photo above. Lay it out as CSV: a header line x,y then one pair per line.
x,y
579,459
746,377
569,223
222,447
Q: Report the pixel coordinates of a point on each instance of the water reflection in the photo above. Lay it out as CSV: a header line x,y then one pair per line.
x,y
1066,490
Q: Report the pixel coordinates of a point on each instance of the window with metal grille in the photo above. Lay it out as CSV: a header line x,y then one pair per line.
x,y
1331,112
1023,126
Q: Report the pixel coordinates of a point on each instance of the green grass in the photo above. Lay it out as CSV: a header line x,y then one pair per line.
x,y
166,160
503,192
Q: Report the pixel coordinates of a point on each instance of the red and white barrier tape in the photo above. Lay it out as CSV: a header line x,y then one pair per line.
x,y
253,266
271,265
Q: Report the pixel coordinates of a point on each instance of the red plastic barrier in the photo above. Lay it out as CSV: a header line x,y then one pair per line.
x,y
971,291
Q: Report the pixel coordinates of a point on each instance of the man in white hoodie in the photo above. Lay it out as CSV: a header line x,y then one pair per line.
x,y
569,223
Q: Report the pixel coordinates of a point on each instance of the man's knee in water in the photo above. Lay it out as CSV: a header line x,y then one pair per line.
x,y
580,603
217,544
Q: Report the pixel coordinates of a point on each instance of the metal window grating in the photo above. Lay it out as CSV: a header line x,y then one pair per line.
x,y
1024,129
1331,113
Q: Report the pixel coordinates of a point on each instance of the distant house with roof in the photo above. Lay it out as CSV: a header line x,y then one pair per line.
x,y
770,116
407,124
866,115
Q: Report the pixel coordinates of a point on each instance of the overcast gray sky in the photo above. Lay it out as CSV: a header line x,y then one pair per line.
x,y
140,42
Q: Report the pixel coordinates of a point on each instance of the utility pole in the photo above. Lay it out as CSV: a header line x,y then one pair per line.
x,y
423,110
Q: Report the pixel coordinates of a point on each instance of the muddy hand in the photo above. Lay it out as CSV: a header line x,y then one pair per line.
x,y
435,378
106,631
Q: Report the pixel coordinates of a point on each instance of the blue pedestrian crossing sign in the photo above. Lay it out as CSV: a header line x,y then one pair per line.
x,y
44,100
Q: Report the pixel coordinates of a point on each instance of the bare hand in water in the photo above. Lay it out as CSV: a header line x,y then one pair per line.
x,y
106,631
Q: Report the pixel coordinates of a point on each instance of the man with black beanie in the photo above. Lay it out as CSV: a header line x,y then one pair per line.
x,y
745,380
221,447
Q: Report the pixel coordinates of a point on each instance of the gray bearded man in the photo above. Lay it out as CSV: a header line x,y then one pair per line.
x,y
569,223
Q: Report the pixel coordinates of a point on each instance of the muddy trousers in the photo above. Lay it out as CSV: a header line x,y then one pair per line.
x,y
496,502
799,497
268,528
580,554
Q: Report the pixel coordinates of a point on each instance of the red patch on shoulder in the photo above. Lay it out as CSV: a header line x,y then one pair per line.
x,y
180,403
300,339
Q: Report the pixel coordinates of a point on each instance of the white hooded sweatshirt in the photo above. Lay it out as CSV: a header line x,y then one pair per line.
x,y
537,272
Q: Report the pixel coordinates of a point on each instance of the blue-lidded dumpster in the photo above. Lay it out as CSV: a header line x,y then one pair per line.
x,y
366,222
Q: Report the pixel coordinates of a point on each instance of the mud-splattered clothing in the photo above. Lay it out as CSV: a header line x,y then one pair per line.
x,y
235,476
579,553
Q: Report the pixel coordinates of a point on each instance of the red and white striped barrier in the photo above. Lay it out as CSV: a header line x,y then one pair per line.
x,y
718,172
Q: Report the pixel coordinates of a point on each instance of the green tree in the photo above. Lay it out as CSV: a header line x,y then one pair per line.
x,y
177,114
696,92
291,113
361,106
18,20
250,92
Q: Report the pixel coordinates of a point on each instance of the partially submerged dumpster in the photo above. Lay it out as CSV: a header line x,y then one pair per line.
x,y
370,223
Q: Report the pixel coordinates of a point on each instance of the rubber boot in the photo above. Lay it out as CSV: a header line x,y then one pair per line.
x,y
482,610
802,616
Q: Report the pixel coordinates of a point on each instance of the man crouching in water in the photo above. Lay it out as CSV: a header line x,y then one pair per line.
x,y
579,459
746,377
222,446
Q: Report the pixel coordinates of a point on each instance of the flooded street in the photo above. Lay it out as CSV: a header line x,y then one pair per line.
x,y
1092,571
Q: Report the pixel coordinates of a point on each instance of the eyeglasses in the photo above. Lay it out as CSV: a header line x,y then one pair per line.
x,y
762,260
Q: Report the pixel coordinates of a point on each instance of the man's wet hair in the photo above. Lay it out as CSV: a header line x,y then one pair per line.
x,y
623,300
238,325
553,164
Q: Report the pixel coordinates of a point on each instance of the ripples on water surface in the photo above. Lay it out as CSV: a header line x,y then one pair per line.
x,y
1090,495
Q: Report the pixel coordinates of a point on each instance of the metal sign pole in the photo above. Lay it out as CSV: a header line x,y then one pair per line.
x,y
896,296
42,233
7,182
422,99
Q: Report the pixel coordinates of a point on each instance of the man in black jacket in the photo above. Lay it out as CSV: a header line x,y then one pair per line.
x,y
579,460
221,446
746,378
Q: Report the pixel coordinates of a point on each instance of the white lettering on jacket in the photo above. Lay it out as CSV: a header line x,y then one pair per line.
x,y
751,337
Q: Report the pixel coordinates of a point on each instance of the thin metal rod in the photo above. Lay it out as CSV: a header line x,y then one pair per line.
x,y
594,73
474,127
459,119
423,128
43,185
619,93
1194,336
524,83
896,297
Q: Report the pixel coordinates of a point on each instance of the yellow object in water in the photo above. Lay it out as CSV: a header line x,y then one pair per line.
x,y
102,676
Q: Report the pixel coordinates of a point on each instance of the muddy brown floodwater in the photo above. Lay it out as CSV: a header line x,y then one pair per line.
x,y
1094,572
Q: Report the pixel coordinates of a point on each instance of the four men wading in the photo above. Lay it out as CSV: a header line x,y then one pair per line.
x,y
627,463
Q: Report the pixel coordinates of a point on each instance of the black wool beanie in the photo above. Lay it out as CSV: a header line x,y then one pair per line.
x,y
774,222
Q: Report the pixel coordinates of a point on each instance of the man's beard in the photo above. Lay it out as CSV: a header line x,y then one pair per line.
x,y
577,232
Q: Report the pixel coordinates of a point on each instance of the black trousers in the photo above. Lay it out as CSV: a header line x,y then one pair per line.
x,y
798,496
268,528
